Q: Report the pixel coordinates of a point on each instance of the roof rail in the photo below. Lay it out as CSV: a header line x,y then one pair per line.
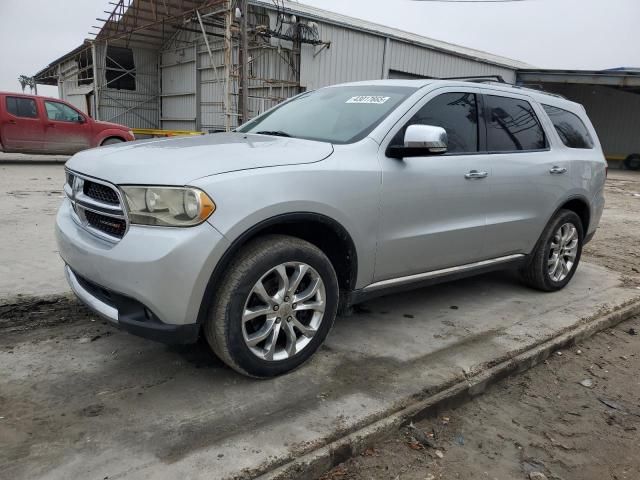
x,y
478,78
539,89
497,79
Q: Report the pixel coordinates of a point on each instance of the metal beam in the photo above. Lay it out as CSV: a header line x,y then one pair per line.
x,y
614,79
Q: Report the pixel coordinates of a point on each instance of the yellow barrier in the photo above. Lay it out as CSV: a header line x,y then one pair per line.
x,y
163,133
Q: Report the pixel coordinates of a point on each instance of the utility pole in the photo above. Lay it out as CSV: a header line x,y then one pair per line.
x,y
244,62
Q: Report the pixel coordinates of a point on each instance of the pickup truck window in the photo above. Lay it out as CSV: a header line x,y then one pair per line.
x,y
61,112
337,115
22,107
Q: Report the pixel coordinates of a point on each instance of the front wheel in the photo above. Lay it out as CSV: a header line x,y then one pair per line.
x,y
555,259
111,141
274,308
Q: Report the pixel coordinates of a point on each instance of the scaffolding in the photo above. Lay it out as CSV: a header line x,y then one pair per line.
x,y
185,64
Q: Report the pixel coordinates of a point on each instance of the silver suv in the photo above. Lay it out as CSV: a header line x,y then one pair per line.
x,y
256,238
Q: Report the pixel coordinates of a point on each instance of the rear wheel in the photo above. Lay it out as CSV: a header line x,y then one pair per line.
x,y
111,141
274,308
556,257
632,162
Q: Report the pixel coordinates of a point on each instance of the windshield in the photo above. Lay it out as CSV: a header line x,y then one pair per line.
x,y
336,114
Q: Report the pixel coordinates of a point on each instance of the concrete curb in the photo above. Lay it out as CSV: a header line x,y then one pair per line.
x,y
316,463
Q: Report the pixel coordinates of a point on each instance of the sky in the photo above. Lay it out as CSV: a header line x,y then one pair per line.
x,y
566,34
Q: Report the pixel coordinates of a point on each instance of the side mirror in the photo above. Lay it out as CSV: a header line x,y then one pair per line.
x,y
421,141
81,119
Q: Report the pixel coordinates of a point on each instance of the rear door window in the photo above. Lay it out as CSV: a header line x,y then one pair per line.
x,y
512,125
573,132
22,107
457,113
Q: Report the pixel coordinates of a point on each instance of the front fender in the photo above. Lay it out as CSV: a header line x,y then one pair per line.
x,y
111,133
350,199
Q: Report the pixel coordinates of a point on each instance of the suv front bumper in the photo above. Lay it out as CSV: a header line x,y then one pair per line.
x,y
151,283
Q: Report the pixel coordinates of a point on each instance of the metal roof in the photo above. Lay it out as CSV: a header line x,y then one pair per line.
x,y
626,77
327,16
47,76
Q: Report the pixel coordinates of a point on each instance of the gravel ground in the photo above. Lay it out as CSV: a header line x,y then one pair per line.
x,y
575,417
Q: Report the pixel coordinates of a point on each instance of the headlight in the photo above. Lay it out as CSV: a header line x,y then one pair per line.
x,y
167,206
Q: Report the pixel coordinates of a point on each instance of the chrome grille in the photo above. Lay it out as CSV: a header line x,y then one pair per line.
x,y
97,206
100,192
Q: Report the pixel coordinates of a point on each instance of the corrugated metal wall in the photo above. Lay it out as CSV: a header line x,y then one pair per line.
x,y
355,55
193,86
352,56
135,108
184,88
613,112
178,97
418,60
70,91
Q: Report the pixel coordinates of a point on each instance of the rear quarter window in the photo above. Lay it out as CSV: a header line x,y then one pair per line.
x,y
572,131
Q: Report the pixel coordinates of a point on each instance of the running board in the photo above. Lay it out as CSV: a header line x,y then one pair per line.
x,y
419,277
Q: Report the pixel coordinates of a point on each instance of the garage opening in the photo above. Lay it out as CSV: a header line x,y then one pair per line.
x,y
612,100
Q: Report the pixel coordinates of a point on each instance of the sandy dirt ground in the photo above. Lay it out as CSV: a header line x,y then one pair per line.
x,y
575,417
30,195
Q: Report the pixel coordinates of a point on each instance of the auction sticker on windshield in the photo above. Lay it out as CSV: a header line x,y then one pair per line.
x,y
368,99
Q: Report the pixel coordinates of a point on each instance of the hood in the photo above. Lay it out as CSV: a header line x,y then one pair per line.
x,y
105,125
178,161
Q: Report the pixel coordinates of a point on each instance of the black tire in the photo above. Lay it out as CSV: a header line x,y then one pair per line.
x,y
223,327
632,162
536,272
111,141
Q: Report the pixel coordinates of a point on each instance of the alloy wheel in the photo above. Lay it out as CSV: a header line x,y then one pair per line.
x,y
283,311
563,252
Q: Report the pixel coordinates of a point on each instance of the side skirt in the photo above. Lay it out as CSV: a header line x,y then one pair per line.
x,y
411,282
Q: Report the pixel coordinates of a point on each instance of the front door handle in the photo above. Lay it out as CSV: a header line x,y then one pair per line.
x,y
475,174
13,122
555,170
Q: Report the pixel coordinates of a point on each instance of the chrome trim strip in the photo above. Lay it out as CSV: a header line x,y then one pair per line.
x,y
87,200
100,212
439,273
104,310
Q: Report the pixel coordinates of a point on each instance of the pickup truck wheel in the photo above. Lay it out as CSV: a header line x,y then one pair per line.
x,y
555,259
274,308
632,162
111,141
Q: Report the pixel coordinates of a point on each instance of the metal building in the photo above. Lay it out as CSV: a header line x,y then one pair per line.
x,y
180,64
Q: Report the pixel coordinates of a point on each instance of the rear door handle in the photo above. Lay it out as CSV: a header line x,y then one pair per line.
x,y
475,174
12,122
557,170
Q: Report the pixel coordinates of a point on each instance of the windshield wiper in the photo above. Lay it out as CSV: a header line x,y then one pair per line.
x,y
275,133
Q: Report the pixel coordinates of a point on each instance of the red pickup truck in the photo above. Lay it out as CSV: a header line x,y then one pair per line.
x,y
33,124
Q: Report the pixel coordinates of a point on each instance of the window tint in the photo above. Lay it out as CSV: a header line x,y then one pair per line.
x,y
61,112
512,125
572,130
457,113
22,107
